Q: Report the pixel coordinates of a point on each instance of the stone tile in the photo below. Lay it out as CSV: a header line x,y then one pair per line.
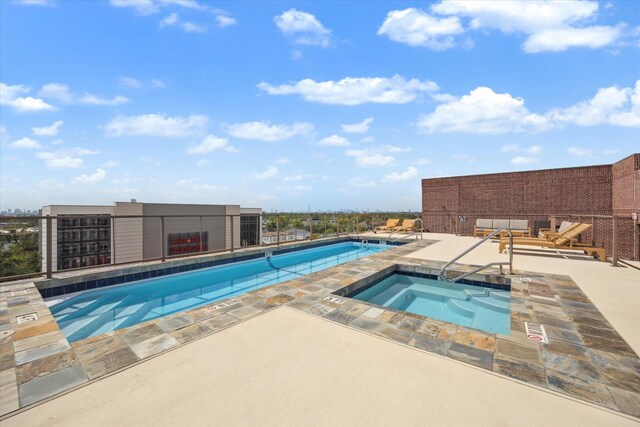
x,y
219,322
518,351
170,324
604,358
406,323
319,309
190,333
556,333
37,341
527,372
589,391
365,323
620,378
6,355
279,299
36,353
596,330
627,402
475,339
46,365
432,329
42,387
471,355
386,316
566,365
154,345
429,343
36,330
244,312
8,379
138,334
99,358
611,345
373,312
90,340
394,333
447,332
9,400
340,315
568,349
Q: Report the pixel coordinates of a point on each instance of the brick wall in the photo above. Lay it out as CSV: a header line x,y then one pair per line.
x,y
539,195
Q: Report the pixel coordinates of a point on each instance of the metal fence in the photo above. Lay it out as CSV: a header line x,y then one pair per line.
x,y
620,236
43,245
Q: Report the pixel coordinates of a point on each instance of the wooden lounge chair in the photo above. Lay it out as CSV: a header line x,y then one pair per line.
x,y
407,225
549,233
390,225
564,240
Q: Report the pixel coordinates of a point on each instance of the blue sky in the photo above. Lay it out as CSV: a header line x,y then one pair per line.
x,y
291,105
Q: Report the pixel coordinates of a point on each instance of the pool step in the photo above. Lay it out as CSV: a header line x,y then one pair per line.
x,y
458,308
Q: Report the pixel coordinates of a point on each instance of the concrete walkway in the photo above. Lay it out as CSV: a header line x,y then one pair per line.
x,y
614,290
288,368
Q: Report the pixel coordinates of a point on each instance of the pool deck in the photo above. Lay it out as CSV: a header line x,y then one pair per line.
x,y
347,362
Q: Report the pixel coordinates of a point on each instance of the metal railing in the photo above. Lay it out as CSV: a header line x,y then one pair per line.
x,y
54,244
443,270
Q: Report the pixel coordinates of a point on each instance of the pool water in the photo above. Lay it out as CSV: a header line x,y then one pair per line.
x,y
96,312
473,306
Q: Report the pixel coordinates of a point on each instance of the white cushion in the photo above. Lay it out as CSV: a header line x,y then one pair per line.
x,y
519,224
484,223
564,225
500,223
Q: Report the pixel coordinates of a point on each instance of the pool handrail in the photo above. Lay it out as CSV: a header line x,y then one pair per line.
x,y
442,275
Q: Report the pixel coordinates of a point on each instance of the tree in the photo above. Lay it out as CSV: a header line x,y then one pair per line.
x,y
21,255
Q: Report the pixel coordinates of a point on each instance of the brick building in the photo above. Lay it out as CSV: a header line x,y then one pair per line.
x,y
589,194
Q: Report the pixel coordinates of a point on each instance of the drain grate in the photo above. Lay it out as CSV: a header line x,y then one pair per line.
x,y
333,300
536,332
30,317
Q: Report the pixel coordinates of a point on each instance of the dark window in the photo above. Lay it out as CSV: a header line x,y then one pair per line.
x,y
186,243
249,230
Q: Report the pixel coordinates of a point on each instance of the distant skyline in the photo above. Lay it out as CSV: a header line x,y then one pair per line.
x,y
296,105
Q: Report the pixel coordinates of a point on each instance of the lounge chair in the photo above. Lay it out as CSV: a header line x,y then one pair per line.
x,y
407,225
564,240
549,233
389,226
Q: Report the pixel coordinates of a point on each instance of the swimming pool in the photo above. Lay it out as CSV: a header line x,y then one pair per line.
x,y
96,312
474,306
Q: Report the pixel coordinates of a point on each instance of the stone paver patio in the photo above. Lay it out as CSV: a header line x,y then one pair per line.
x,y
585,358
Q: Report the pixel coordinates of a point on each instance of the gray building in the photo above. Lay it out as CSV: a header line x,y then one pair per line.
x,y
131,231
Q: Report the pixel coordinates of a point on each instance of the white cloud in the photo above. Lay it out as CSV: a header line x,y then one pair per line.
x,y
59,160
362,127
268,173
395,149
463,158
265,131
25,144
283,161
10,95
4,135
550,25
34,2
211,143
143,7
62,92
334,141
611,105
416,27
423,161
485,112
191,27
355,90
98,175
134,83
361,182
522,160
577,151
303,27
170,20
564,38
224,21
151,159
156,125
366,158
111,164
534,149
410,173
50,130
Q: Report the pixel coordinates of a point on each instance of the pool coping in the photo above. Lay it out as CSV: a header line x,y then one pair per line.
x,y
89,360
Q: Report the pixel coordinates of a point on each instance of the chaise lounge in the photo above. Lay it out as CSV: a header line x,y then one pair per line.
x,y
407,225
389,226
564,240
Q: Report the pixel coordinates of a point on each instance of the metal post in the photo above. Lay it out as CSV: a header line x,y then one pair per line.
x,y
113,240
162,246
614,256
49,247
357,225
200,233
337,226
277,230
310,228
232,234
593,231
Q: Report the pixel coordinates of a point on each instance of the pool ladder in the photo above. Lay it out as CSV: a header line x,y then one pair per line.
x,y
443,270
